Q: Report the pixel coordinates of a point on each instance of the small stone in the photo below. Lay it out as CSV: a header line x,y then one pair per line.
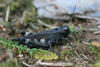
x,y
20,55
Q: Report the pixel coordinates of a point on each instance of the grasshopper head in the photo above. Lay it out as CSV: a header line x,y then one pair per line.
x,y
66,30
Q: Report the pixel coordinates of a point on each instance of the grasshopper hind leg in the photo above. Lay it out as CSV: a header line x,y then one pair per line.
x,y
50,43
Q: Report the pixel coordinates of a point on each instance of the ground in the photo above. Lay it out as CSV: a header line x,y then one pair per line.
x,y
85,37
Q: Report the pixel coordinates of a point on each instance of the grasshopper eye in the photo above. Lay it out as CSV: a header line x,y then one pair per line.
x,y
65,29
22,32
56,29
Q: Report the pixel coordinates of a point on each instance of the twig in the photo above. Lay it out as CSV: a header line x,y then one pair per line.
x,y
72,15
2,5
90,29
29,30
56,64
85,43
39,61
7,55
23,17
1,14
83,56
87,17
7,14
97,23
2,21
97,32
76,54
3,57
26,64
33,25
42,23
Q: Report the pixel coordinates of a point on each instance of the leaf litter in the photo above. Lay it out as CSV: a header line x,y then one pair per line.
x,y
25,18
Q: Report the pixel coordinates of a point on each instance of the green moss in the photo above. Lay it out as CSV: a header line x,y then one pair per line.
x,y
36,53
10,63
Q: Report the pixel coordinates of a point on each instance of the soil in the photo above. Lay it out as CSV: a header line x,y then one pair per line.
x,y
83,55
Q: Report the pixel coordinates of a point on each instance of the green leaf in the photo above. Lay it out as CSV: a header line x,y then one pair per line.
x,y
4,40
16,43
19,51
9,47
78,41
71,27
27,50
1,38
44,58
43,54
86,47
92,47
10,43
7,41
5,45
20,47
15,46
24,48
30,52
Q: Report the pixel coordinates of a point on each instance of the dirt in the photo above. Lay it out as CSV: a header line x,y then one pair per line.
x,y
83,55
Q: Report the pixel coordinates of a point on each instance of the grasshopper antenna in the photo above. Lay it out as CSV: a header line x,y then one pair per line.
x,y
72,14
70,22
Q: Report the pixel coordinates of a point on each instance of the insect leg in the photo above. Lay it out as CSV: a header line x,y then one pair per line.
x,y
69,42
50,43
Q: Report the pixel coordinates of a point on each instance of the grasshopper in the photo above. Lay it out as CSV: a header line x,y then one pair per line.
x,y
46,38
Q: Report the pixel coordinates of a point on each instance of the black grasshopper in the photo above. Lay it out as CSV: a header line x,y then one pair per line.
x,y
46,38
